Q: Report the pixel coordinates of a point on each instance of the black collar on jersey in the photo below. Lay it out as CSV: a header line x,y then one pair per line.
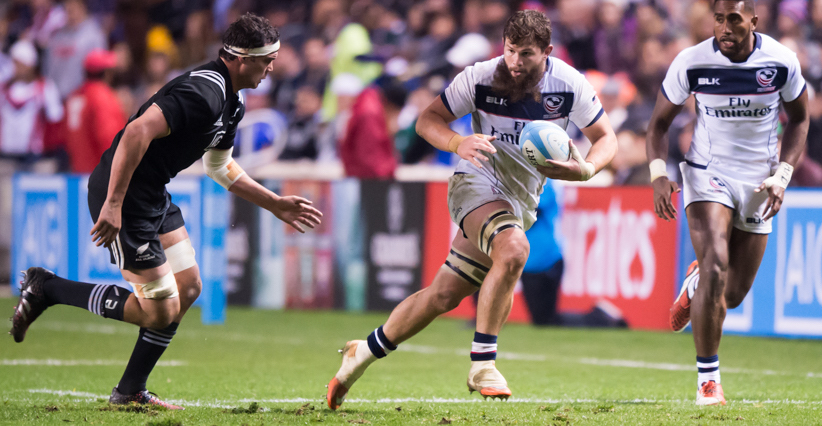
x,y
223,70
757,45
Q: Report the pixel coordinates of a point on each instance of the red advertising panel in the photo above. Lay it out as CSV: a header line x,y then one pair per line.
x,y
618,250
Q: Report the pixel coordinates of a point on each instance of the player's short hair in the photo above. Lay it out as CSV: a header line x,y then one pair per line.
x,y
528,27
248,32
749,5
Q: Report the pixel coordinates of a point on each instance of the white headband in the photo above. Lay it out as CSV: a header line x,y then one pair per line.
x,y
255,51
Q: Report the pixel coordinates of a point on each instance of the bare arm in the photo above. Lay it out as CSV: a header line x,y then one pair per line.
x,y
657,149
664,113
132,147
793,144
292,210
796,129
433,127
604,143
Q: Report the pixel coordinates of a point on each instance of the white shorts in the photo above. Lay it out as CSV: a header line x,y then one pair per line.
x,y
468,191
737,193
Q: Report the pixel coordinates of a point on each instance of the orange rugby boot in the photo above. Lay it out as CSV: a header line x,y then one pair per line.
x,y
710,394
680,314
487,380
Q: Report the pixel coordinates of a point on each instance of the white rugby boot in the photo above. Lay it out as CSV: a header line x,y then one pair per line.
x,y
356,357
487,380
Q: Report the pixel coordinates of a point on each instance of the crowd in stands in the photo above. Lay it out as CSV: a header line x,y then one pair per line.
x,y
352,75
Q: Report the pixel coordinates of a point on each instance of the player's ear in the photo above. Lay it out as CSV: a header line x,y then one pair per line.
x,y
754,20
549,49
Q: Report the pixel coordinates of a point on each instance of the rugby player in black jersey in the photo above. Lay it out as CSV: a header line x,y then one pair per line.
x,y
194,116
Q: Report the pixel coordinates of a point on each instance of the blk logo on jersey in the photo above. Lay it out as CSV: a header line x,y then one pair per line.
x,y
702,81
553,103
765,76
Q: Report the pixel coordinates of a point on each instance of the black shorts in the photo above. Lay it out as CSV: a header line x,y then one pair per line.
x,y
138,243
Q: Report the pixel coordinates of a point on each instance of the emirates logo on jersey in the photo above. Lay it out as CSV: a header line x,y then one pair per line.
x,y
765,76
553,103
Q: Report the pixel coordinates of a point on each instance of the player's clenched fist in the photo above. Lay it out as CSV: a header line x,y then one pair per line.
x,y
469,147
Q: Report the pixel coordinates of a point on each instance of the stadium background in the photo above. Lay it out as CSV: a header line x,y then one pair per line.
x,y
382,239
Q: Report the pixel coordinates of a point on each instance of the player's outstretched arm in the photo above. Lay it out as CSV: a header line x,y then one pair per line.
x,y
793,144
293,210
433,127
603,149
657,150
133,145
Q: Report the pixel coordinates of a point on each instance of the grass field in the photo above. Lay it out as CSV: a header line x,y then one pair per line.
x,y
265,367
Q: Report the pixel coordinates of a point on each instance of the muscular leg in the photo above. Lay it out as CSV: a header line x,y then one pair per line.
x,y
409,317
444,294
745,254
153,341
710,226
509,251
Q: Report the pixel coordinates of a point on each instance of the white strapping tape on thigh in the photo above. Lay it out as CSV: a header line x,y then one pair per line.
x,y
181,256
162,288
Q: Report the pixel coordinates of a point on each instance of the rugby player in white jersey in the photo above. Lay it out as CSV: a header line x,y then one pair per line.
x,y
734,176
494,193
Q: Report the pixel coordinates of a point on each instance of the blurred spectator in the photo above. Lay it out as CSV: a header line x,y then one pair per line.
x,y
162,58
367,149
93,113
69,46
468,50
304,126
630,165
287,71
315,73
611,51
47,17
27,102
353,41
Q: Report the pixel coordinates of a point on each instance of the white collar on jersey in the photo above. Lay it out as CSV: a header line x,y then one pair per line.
x,y
254,51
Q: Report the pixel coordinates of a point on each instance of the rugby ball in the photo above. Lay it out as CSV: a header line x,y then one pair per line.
x,y
543,140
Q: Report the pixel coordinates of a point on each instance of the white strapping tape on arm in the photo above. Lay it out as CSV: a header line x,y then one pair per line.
x,y
221,167
658,169
782,177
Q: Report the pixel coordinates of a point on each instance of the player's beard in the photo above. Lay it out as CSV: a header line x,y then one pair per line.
x,y
516,89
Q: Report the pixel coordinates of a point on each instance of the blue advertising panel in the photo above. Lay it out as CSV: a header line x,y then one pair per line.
x,y
40,225
786,297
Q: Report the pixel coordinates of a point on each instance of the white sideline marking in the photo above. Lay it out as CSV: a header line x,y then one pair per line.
x,y
429,350
80,362
235,403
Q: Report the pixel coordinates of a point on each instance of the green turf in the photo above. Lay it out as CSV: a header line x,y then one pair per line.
x,y
267,367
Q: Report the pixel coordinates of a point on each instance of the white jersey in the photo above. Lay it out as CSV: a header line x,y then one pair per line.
x,y
566,95
737,103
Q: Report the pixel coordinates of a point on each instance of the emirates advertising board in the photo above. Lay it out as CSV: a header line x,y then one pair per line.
x,y
618,250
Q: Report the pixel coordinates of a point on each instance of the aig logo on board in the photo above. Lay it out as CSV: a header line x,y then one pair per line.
x,y
798,304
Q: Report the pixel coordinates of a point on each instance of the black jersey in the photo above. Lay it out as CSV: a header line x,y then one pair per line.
x,y
202,112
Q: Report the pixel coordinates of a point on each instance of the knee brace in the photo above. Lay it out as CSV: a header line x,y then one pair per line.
x,y
164,287
181,256
466,268
497,222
